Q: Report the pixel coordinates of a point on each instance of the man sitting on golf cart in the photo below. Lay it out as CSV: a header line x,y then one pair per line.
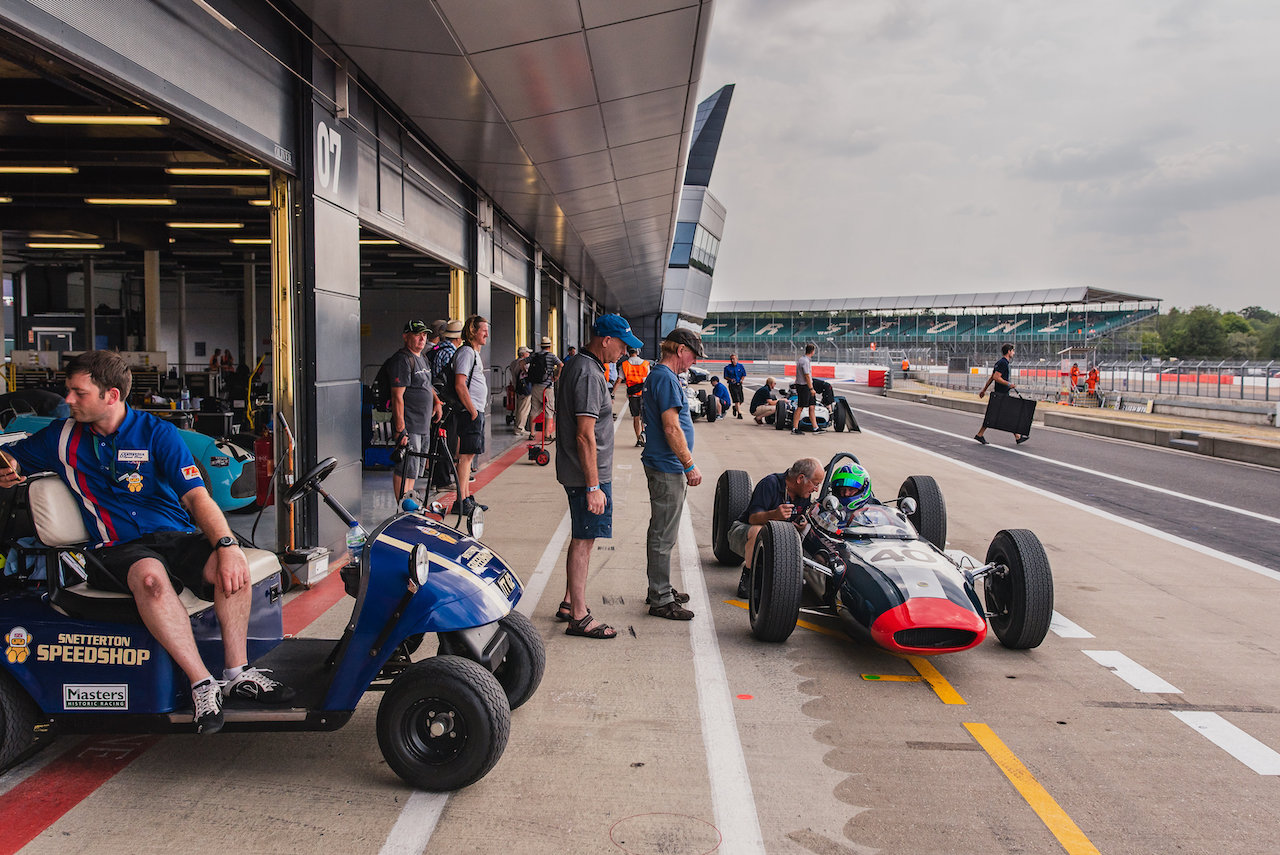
x,y
138,490
780,496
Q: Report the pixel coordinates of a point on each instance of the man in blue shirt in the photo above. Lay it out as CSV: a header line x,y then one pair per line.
x,y
668,465
734,373
780,496
138,490
718,401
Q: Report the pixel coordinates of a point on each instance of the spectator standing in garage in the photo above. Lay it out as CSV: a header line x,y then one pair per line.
x,y
544,368
584,463
734,373
999,384
441,360
519,371
805,395
669,468
414,405
473,391
764,402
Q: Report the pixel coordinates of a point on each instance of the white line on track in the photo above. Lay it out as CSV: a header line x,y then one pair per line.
x,y
1064,628
1131,483
731,796
1132,673
1089,509
1231,739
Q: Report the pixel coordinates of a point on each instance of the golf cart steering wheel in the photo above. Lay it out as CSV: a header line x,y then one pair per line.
x,y
308,482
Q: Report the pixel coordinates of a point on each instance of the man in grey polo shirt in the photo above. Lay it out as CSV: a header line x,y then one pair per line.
x,y
584,462
414,405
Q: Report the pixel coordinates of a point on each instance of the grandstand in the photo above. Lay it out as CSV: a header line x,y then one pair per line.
x,y
925,328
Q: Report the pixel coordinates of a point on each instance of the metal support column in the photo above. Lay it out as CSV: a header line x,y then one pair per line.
x,y
151,299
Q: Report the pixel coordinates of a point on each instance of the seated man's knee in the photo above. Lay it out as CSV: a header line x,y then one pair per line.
x,y
149,578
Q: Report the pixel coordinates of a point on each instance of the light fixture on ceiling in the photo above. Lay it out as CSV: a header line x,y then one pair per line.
x,y
60,245
107,200
378,242
251,241
4,199
260,203
39,170
205,225
74,119
216,171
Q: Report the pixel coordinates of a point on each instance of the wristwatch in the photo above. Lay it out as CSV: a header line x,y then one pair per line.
x,y
224,542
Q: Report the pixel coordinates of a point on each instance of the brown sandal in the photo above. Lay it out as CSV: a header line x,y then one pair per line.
x,y
564,613
600,630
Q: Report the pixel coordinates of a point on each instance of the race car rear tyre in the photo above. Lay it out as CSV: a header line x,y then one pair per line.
x,y
733,494
1021,597
521,669
776,582
780,420
443,723
930,517
18,714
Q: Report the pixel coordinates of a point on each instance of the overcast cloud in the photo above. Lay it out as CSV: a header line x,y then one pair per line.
x,y
905,147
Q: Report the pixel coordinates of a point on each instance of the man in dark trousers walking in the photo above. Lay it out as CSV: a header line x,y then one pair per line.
x,y
1000,387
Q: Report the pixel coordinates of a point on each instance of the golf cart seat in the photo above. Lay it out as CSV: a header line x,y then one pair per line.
x,y
59,526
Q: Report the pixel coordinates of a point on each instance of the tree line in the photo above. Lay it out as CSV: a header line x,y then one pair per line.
x,y
1205,332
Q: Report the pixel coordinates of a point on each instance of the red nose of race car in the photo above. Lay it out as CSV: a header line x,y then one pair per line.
x,y
928,626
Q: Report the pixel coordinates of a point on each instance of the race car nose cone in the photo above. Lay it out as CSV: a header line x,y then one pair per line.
x,y
928,626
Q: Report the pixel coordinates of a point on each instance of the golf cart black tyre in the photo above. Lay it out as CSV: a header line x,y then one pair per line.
x,y
471,747
1025,592
18,714
780,416
521,669
930,518
837,416
776,582
733,494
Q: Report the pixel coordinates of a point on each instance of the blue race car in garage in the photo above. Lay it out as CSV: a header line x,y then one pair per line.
x,y
227,469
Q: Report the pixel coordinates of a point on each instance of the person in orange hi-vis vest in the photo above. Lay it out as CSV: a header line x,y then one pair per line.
x,y
634,370
1092,380
1075,376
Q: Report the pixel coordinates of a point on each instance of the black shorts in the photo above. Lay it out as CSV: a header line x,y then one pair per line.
x,y
183,554
470,434
735,392
804,396
635,404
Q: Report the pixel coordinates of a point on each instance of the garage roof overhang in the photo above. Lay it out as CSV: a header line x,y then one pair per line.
x,y
574,116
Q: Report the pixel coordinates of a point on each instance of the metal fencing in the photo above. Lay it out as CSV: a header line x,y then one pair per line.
x,y
1242,381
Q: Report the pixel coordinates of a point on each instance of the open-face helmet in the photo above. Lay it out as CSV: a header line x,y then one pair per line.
x,y
851,484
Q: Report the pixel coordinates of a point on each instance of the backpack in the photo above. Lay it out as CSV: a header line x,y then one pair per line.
x,y
447,388
381,390
522,384
537,372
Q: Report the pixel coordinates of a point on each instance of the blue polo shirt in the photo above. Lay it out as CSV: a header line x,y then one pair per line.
x,y
663,391
735,373
126,484
722,392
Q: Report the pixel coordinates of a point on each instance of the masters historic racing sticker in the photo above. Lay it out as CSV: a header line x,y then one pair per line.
x,y
111,696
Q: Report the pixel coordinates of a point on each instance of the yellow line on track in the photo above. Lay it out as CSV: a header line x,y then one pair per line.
x,y
1051,814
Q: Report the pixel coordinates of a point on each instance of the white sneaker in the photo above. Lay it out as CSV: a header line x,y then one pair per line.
x,y
206,700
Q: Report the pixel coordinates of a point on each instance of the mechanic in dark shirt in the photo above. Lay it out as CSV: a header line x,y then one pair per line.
x,y
780,496
999,384
734,373
764,403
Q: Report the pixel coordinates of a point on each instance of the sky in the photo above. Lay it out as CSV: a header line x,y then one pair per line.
x,y
915,147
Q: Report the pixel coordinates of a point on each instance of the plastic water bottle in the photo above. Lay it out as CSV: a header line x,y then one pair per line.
x,y
355,541
186,399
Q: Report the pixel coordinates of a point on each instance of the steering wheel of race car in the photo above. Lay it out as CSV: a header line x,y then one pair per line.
x,y
311,480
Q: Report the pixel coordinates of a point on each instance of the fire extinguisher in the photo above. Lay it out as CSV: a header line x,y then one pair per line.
x,y
264,468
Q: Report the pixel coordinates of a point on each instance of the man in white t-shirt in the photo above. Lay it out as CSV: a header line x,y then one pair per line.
x,y
804,389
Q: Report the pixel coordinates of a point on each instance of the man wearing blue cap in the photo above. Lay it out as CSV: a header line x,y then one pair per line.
x,y
584,462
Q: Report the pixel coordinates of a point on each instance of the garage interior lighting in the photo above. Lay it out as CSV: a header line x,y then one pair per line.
x,y
205,225
39,170
104,200
73,119
378,242
4,199
51,245
260,203
215,170
251,241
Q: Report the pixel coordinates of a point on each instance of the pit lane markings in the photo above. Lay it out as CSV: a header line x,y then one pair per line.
x,y
924,669
1210,552
1132,673
1064,628
1073,840
1107,475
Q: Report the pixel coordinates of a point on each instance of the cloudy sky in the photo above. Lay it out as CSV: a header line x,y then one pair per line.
x,y
914,147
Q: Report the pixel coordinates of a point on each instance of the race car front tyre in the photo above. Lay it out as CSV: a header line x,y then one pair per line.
x,y
18,714
733,494
930,516
443,723
1019,596
780,420
776,582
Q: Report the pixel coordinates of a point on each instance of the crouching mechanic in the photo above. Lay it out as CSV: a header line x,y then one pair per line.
x,y
139,490
780,496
